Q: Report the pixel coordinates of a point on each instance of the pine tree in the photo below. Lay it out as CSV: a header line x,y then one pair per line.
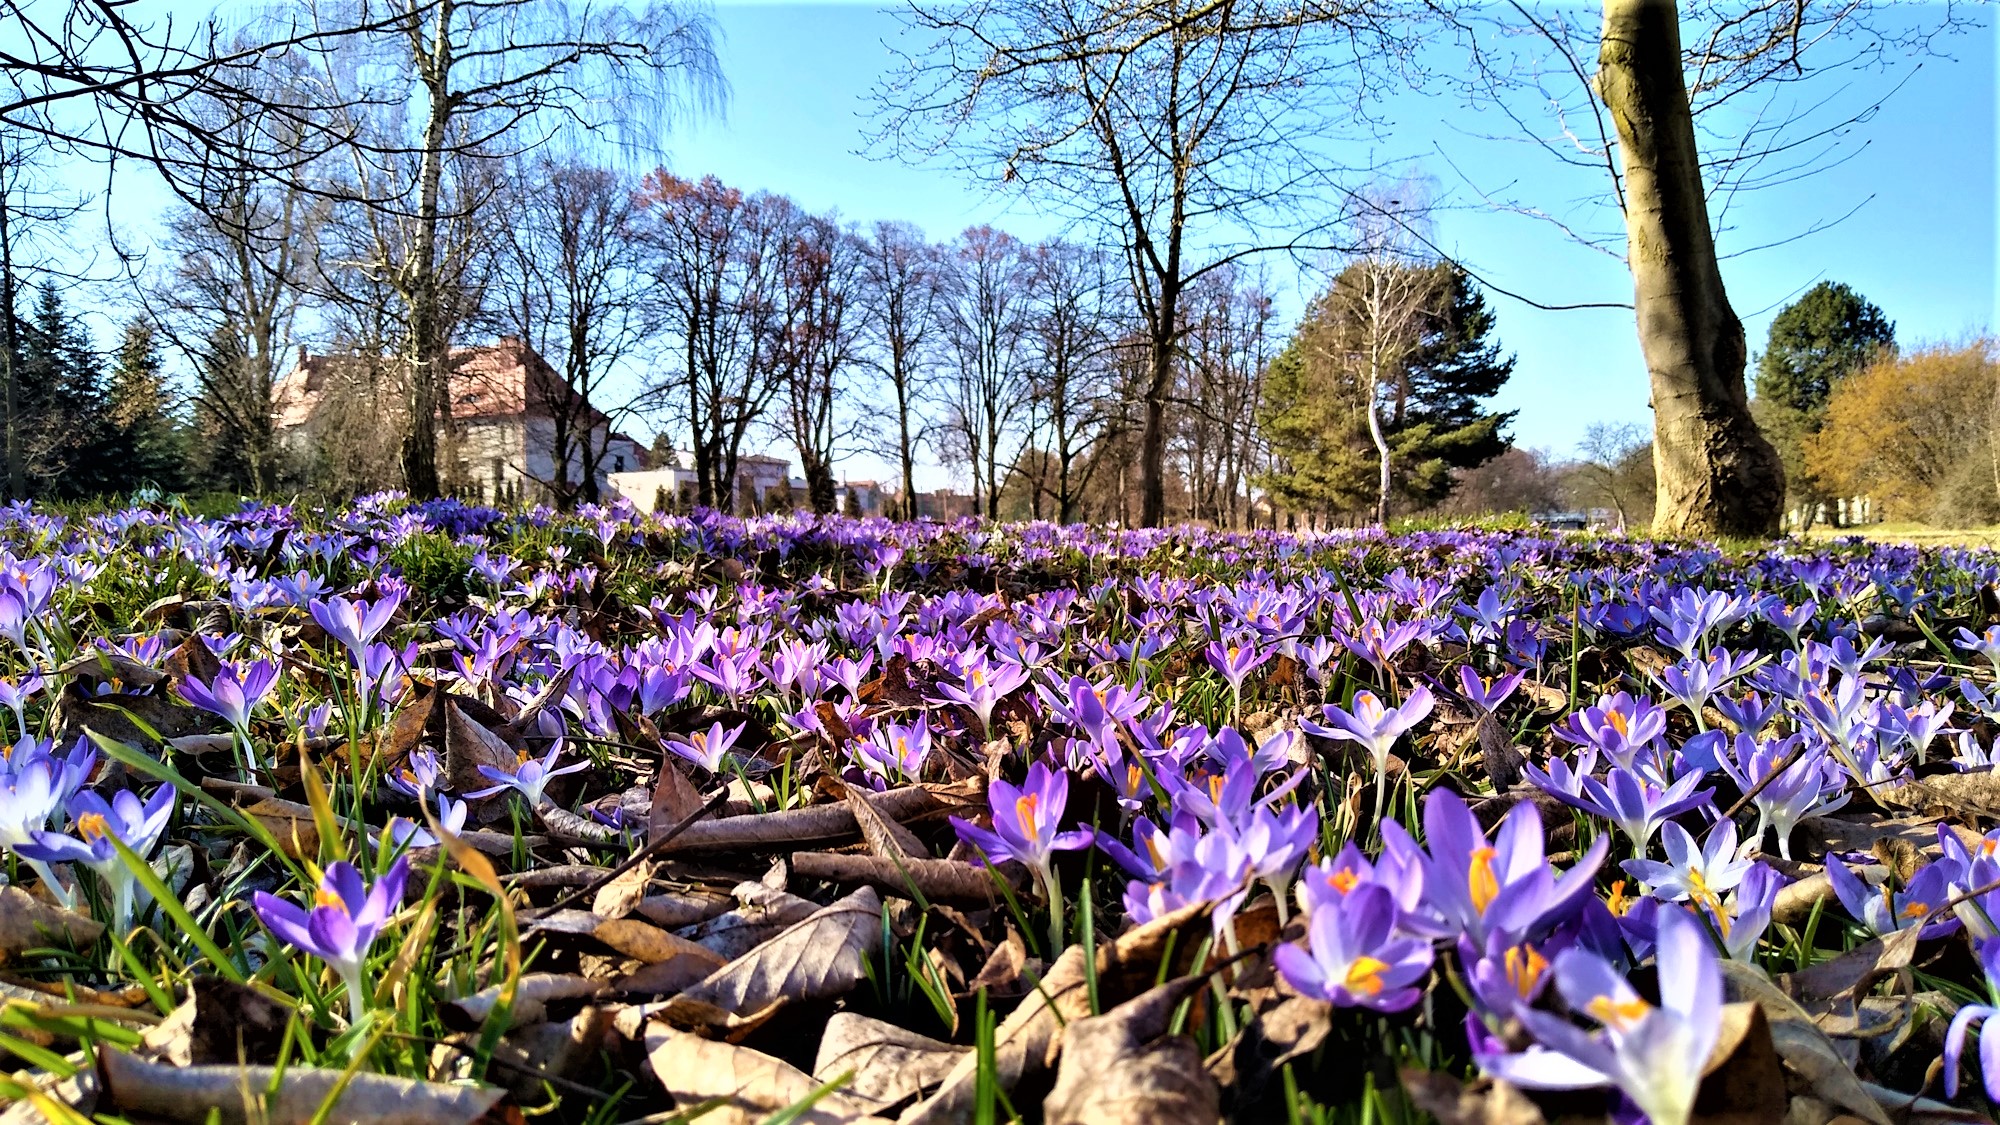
x,y
1314,413
145,435
1827,334
215,463
1438,423
1816,342
61,405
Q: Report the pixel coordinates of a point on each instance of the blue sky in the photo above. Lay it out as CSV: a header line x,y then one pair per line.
x,y
1922,245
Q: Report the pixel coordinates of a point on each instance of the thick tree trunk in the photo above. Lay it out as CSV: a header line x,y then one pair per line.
x,y
1717,473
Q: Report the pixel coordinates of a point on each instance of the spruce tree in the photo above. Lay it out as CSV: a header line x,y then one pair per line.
x,y
1816,341
1438,423
61,405
144,433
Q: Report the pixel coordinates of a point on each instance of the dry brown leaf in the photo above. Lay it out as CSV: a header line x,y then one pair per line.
x,y
889,1064
674,799
621,895
683,908
531,1000
751,1084
1804,1049
816,826
1121,1068
1294,1026
817,958
289,824
27,922
936,880
646,942
235,1095
1796,900
1026,1041
558,1048
762,915
884,837
221,1023
1484,1101
469,745
1003,966
1744,1080
1850,975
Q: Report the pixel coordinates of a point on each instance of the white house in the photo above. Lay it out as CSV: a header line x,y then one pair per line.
x,y
506,405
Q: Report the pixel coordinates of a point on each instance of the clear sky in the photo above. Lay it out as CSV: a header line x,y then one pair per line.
x,y
1922,173
1922,244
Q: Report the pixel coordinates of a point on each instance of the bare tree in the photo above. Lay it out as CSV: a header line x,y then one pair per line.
x,y
1073,324
818,341
460,81
572,282
715,257
1615,468
985,309
245,267
1224,358
1174,128
901,276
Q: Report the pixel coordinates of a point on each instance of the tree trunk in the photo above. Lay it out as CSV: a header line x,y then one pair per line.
x,y
1153,435
1717,473
427,353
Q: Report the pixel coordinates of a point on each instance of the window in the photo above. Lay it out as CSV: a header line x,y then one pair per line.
x,y
618,463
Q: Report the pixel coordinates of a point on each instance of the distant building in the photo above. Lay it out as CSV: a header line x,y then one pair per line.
x,y
506,405
945,504
763,484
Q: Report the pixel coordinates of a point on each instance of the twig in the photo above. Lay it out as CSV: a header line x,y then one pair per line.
x,y
640,856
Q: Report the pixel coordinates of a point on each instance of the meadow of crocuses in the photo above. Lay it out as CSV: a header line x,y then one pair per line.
x,y
424,812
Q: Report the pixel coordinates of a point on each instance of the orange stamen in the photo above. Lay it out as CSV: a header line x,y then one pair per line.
x,y
1365,976
1480,880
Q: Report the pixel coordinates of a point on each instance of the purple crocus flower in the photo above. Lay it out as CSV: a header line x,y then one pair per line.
x,y
404,832
1620,726
1486,693
1742,919
1653,1055
1375,726
985,686
233,694
1024,825
345,919
1506,885
1701,873
418,778
355,624
530,777
29,795
703,748
1885,911
14,696
1803,789
1985,644
1236,660
895,751
1635,800
1961,1025
1277,843
1354,957
97,822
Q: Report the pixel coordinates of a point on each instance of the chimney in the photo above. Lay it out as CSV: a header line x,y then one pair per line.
x,y
303,355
